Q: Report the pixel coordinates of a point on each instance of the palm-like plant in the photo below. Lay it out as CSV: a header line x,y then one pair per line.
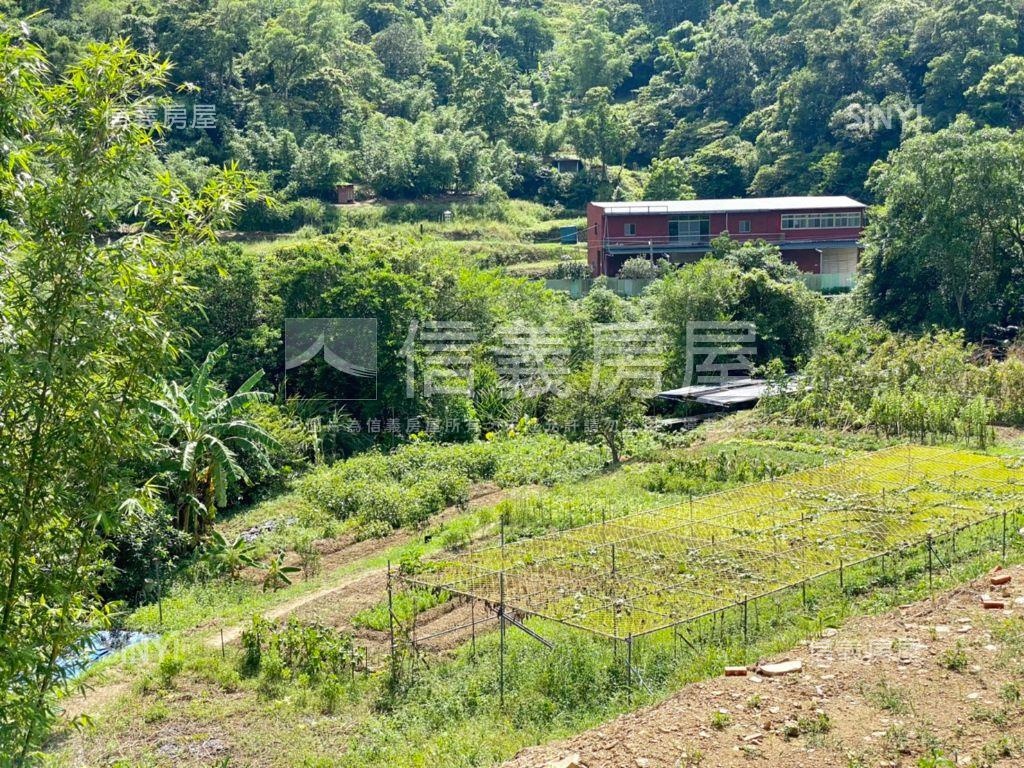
x,y
203,432
230,559
277,573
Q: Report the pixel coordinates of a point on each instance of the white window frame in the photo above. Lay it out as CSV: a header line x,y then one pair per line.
x,y
838,220
690,229
629,229
744,226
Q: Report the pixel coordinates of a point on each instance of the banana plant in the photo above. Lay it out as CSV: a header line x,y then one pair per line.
x,y
228,558
277,573
203,431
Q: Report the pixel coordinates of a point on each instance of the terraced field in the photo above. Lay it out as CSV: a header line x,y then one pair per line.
x,y
637,574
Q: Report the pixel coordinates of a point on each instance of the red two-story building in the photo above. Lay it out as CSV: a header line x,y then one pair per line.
x,y
821,235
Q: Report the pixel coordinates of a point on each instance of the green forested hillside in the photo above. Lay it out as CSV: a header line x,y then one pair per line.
x,y
426,96
194,431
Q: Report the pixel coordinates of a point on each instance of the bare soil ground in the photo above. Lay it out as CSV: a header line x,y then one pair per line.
x,y
885,691
336,604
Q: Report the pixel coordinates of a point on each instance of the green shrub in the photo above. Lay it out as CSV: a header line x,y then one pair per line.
x,y
294,650
332,690
720,720
458,533
283,217
568,269
705,473
272,675
169,667
545,460
405,604
373,529
416,481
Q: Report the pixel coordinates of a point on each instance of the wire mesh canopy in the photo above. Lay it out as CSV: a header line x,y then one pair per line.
x,y
641,572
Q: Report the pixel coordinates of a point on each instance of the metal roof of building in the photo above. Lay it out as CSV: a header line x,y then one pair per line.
x,y
739,205
729,393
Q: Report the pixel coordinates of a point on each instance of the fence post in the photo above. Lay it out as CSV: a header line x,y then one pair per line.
x,y
1004,537
895,576
629,669
745,627
391,621
160,592
501,641
930,591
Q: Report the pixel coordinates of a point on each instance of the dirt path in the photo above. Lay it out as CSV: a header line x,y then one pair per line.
x,y
333,604
882,691
336,604
283,610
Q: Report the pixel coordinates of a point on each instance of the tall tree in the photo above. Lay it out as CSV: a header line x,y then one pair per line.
x,y
602,130
947,248
83,336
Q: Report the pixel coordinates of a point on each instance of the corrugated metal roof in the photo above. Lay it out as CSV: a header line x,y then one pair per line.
x,y
728,393
739,205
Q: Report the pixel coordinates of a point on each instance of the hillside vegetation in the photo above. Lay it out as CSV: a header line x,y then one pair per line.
x,y
417,97
232,411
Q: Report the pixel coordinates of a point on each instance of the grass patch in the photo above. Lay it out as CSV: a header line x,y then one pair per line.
x,y
888,697
406,604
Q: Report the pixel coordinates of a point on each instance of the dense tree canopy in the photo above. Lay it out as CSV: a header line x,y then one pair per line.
x,y
84,335
948,245
416,98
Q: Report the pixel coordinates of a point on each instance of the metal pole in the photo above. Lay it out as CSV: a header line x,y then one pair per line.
x,y
472,614
629,669
929,562
501,643
391,620
842,583
1004,536
613,559
895,577
160,591
745,628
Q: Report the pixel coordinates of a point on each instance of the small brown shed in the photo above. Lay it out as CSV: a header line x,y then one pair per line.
x,y
346,193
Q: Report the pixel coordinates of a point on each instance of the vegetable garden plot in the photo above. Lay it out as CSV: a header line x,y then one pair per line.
x,y
639,573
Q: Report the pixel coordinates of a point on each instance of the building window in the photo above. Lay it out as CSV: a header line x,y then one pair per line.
x,y
690,229
630,230
821,220
745,227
